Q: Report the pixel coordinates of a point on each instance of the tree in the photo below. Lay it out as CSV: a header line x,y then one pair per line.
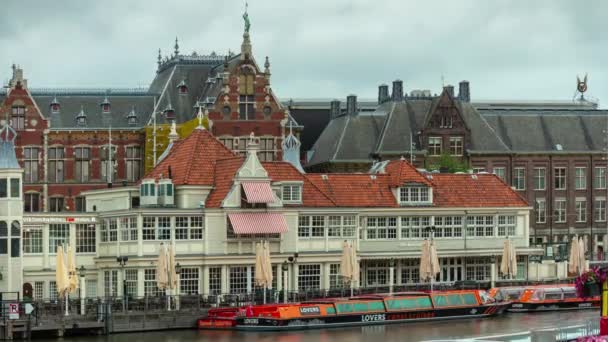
x,y
448,163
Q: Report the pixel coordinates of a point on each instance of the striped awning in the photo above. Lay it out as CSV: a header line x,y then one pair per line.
x,y
258,192
258,223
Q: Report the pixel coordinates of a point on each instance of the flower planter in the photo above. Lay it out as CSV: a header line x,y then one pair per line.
x,y
592,289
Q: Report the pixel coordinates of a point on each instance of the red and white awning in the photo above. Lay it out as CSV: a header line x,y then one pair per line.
x,y
258,223
258,192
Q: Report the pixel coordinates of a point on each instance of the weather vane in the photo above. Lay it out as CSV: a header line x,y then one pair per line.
x,y
581,86
246,19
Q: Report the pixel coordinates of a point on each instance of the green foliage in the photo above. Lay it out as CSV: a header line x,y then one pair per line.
x,y
449,163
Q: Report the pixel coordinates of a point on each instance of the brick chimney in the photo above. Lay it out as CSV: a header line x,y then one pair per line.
x,y
351,104
334,109
464,92
450,90
397,90
383,93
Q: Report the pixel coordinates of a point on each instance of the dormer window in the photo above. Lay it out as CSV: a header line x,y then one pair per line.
x,y
81,120
415,195
291,193
169,113
105,105
55,107
132,117
446,122
182,88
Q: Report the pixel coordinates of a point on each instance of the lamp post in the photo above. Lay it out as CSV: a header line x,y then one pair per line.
x,y
285,268
178,270
391,275
122,261
82,294
492,271
293,260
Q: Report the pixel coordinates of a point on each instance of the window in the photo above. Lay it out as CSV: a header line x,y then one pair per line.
x,y
539,178
91,288
128,228
560,210
446,122
377,273
59,234
581,210
246,107
3,188
341,226
56,164
267,149
335,278
188,281
215,280
109,230
434,146
541,210
560,178
18,117
81,164
414,227
32,240
478,269
150,287
246,84
30,164
149,227
379,228
479,169
131,282
410,271
519,178
580,178
309,277
56,204
110,283
189,228
85,238
164,228
500,172
456,146
31,202
292,193
600,209
414,195
311,226
447,226
81,204
15,188
38,290
599,179
133,163
3,237
105,163
238,279
506,225
15,239
52,290
480,226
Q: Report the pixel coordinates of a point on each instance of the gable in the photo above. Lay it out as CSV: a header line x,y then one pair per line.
x,y
445,115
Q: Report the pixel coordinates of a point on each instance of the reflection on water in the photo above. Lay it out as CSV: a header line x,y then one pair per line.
x,y
510,323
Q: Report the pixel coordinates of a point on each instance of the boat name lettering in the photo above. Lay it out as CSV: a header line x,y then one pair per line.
x,y
373,318
250,321
310,310
411,315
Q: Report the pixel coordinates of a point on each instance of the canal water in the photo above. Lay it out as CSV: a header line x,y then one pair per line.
x,y
506,324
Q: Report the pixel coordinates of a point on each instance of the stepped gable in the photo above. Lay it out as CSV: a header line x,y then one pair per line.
x,y
192,160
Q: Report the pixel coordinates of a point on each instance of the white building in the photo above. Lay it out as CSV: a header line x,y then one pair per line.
x,y
213,206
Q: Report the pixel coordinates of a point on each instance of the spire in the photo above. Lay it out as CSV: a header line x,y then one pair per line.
x,y
246,45
176,47
291,149
267,66
173,133
159,59
200,116
8,159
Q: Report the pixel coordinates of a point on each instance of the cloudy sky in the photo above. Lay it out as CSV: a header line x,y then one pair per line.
x,y
320,48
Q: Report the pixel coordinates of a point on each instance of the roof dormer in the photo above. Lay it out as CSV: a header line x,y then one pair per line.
x,y
132,117
415,194
55,106
81,118
182,88
169,112
105,105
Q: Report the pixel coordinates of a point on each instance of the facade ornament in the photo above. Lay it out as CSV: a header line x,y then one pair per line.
x,y
159,59
267,66
176,47
246,19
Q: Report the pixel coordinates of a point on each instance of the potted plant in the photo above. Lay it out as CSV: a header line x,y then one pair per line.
x,y
589,283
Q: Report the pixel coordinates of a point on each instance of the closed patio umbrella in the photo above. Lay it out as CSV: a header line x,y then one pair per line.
x,y
259,271
425,267
434,261
171,268
61,277
354,264
73,276
513,260
162,281
582,262
574,256
267,265
508,264
346,267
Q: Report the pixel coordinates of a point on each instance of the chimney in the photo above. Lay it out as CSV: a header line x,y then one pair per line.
x,y
351,104
334,109
450,90
382,93
397,90
464,93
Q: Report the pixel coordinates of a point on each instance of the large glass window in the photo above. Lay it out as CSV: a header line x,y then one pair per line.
x,y
32,240
149,228
560,210
500,172
414,194
189,280
18,117
56,156
3,188
31,202
292,193
335,278
150,287
110,283
599,179
30,164
189,227
415,227
456,148
81,204
519,178
480,226
581,209
246,107
410,271
3,237
541,210
131,282
238,279
311,226
133,163
600,209
106,165
56,204
215,280
81,164
309,277
381,228
128,228
560,178
580,178
447,226
434,146
15,188
478,269
506,225
85,238
59,234
377,273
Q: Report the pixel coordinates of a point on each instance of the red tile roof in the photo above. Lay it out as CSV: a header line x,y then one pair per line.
x,y
223,174
356,190
478,190
192,160
403,172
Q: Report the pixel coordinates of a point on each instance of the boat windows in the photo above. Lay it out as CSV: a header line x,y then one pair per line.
x,y
512,294
570,293
344,307
469,299
424,302
360,307
330,310
440,300
455,300
376,306
553,295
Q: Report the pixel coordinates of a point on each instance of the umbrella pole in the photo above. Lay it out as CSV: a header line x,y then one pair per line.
x,y
66,303
264,295
351,288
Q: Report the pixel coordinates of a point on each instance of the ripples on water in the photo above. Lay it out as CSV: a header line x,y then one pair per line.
x,y
510,323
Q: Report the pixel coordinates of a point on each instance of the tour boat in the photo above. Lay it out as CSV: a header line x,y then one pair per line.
x,y
543,298
356,311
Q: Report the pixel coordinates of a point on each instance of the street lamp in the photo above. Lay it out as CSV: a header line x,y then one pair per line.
x,y
391,275
81,273
122,261
285,268
178,270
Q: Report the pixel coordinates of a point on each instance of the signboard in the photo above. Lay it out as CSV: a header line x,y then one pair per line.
x,y
310,310
13,311
29,308
58,219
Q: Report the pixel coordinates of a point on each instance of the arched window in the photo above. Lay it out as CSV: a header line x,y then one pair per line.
x,y
15,229
15,239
